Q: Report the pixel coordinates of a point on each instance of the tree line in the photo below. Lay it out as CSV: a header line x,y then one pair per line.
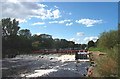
x,y
21,41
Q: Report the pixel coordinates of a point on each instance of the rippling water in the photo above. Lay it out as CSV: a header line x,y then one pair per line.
x,y
35,65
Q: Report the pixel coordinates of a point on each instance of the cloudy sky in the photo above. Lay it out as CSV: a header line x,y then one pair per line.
x,y
75,21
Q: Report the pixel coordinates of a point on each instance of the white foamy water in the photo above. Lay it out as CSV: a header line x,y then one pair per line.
x,y
38,73
64,58
55,57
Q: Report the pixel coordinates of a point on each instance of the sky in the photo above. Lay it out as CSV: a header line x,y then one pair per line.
x,y
75,21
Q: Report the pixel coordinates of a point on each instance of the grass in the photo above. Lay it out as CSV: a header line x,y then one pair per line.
x,y
107,65
96,49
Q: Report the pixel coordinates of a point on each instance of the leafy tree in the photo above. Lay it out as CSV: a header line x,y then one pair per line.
x,y
83,46
108,39
24,44
96,43
13,44
9,27
91,44
46,41
77,46
71,44
25,32
56,43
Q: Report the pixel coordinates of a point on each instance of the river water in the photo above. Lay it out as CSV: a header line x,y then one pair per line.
x,y
39,65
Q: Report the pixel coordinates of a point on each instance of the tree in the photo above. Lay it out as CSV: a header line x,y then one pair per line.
x,y
108,39
9,36
63,43
46,41
9,28
83,46
96,43
25,33
91,44
56,43
71,44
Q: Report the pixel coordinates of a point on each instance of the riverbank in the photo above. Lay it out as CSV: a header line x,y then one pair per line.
x,y
104,65
95,57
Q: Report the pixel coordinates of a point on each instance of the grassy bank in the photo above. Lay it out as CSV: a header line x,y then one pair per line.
x,y
96,49
107,65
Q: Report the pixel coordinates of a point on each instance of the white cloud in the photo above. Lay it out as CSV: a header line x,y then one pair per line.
x,y
94,38
25,10
88,22
83,40
52,22
55,6
42,5
60,22
65,1
72,39
46,14
20,20
37,33
69,24
38,23
13,1
76,40
56,13
64,21
80,33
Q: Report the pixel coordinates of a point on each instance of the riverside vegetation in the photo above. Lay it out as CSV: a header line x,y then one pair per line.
x,y
108,43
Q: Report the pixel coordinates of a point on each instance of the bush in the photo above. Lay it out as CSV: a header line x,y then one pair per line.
x,y
107,65
108,39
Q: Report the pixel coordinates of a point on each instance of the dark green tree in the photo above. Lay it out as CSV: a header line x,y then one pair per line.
x,y
46,41
25,33
9,27
83,46
71,44
91,44
108,39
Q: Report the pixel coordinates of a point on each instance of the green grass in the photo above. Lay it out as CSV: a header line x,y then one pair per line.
x,y
96,49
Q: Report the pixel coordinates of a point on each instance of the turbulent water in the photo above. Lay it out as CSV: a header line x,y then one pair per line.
x,y
51,65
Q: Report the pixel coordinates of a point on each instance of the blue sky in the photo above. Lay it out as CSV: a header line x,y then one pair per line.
x,y
75,21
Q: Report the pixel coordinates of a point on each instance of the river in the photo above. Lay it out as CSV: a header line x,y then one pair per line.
x,y
51,65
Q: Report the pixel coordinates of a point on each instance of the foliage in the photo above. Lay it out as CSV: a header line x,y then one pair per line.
x,y
9,27
108,39
25,33
12,44
108,64
45,41
91,44
107,67
108,43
